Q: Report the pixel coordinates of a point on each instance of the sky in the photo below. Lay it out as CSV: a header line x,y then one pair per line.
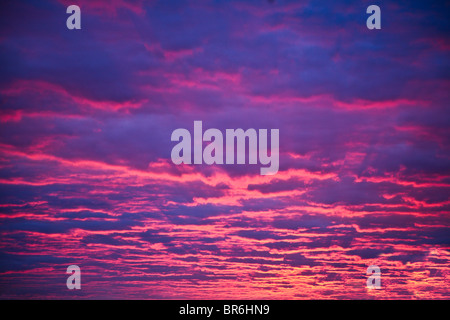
x,y
86,176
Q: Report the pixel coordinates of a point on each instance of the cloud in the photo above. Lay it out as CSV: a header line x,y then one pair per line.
x,y
86,175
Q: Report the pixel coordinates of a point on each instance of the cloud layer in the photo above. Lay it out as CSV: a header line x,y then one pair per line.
x,y
85,171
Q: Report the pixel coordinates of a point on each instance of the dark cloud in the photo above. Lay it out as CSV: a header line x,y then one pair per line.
x,y
297,260
21,262
262,235
369,253
277,186
49,227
